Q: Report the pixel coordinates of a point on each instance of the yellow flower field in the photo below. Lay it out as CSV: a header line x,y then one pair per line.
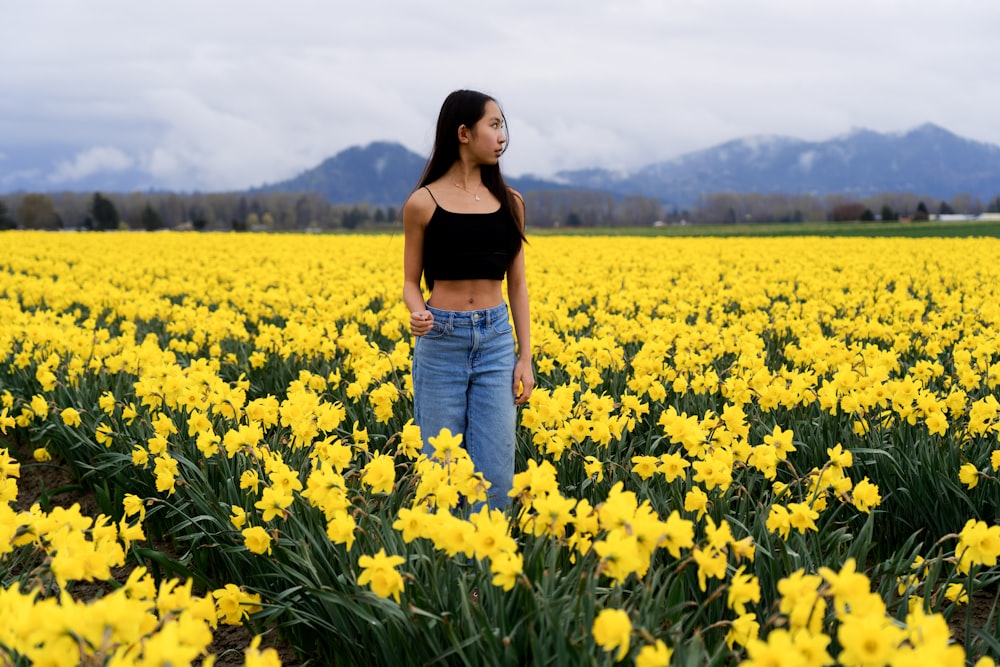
x,y
757,451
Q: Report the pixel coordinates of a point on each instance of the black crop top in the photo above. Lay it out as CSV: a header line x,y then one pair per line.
x,y
466,246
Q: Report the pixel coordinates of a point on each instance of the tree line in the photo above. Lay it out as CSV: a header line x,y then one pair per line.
x,y
722,208
152,211
281,211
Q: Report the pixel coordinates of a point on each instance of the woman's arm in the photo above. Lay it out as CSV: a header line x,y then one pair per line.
x,y
416,214
517,295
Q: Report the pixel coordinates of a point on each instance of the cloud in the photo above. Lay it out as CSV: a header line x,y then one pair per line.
x,y
236,93
91,161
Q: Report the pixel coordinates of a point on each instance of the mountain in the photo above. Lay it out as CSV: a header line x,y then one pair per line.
x,y
926,160
380,173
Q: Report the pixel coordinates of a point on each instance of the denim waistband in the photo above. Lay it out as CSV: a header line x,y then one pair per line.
x,y
467,318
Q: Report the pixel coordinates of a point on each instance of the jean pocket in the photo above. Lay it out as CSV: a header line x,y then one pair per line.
x,y
502,326
438,330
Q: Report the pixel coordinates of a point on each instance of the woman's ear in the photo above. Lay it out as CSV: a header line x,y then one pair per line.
x,y
463,134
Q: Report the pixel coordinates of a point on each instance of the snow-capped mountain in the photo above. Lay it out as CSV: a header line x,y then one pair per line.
x,y
926,160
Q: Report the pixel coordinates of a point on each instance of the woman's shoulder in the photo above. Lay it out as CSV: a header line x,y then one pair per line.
x,y
420,205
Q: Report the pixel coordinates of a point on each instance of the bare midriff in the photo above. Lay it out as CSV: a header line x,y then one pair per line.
x,y
479,294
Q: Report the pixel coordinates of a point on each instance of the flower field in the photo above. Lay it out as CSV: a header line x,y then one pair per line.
x,y
740,451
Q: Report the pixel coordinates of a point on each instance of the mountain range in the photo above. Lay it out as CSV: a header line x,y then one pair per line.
x,y
381,173
928,160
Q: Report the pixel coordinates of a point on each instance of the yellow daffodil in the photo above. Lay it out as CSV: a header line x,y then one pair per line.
x,y
257,540
380,473
612,631
379,572
70,417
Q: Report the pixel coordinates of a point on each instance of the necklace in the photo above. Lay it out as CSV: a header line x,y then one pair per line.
x,y
474,194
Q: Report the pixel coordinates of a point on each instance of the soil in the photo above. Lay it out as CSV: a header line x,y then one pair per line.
x,y
979,611
56,481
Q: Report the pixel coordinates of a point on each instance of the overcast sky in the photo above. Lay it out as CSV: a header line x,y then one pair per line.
x,y
218,94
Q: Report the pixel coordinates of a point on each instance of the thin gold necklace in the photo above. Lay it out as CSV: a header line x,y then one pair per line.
x,y
474,194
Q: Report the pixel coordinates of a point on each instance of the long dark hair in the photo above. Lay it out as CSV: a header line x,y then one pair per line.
x,y
467,107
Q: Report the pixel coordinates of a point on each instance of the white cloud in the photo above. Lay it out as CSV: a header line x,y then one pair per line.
x,y
91,161
235,93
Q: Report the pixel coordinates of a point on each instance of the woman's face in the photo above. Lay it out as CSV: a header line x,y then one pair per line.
x,y
488,137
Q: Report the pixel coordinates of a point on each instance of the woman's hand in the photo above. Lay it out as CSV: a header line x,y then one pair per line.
x,y
524,381
421,322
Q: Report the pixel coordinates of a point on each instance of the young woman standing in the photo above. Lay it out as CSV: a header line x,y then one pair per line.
x,y
464,232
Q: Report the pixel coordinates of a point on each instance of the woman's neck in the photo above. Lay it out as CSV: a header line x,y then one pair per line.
x,y
465,175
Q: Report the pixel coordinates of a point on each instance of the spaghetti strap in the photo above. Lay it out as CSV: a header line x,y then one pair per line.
x,y
432,195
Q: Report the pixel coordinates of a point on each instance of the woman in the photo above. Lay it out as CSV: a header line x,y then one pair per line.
x,y
464,232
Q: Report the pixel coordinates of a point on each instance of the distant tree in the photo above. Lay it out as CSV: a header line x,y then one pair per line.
x,y
751,207
199,224
888,215
963,202
994,206
921,214
239,225
133,207
172,208
196,210
719,207
945,209
304,212
72,208
37,211
573,219
6,222
104,212
281,206
151,220
354,217
847,212
867,215
379,215
676,216
548,208
242,209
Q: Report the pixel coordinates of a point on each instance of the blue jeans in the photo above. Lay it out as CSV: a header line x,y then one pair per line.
x,y
463,380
